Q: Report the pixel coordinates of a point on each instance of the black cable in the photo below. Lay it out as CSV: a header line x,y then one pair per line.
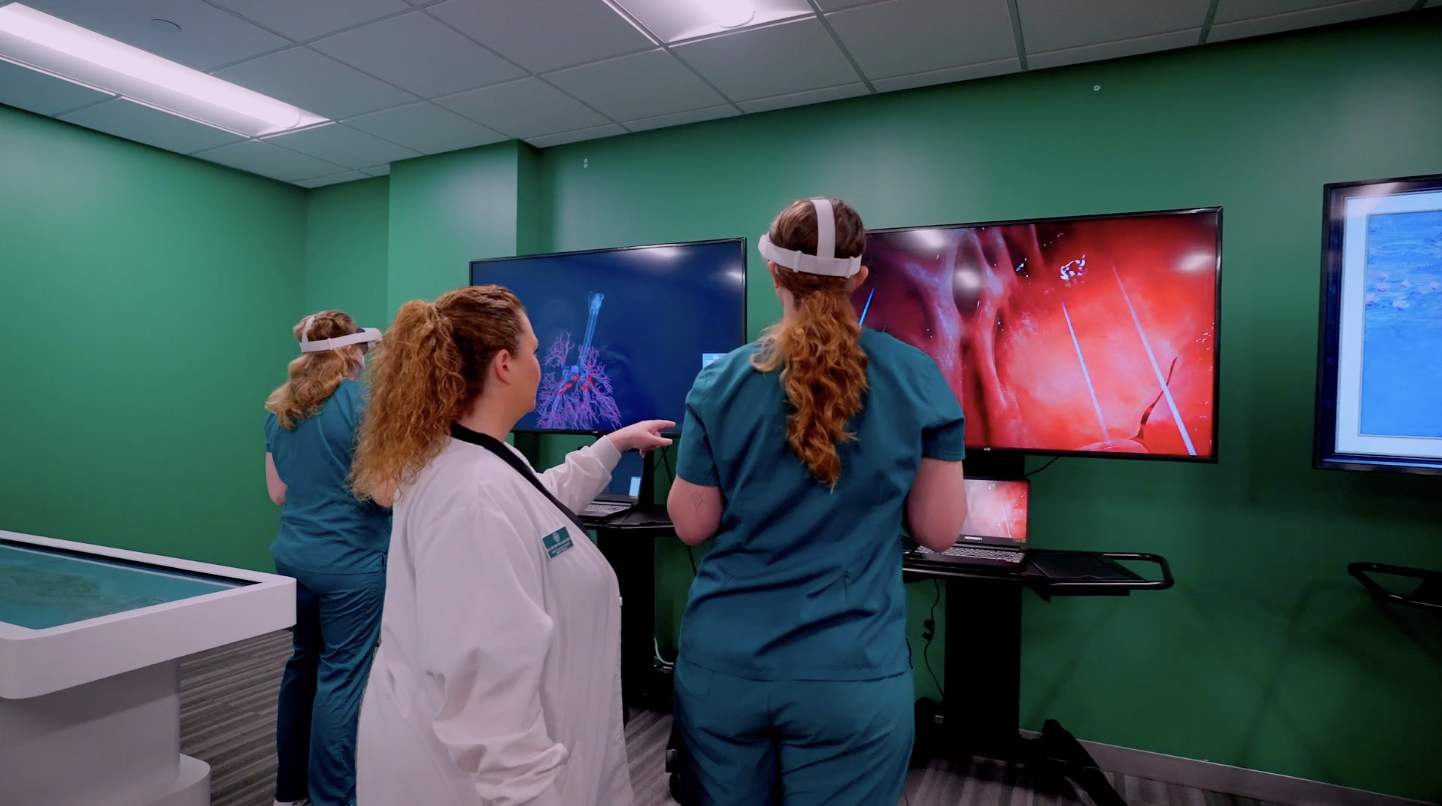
x,y
1043,467
930,634
691,553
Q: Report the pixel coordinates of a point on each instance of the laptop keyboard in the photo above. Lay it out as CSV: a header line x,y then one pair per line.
x,y
601,509
978,553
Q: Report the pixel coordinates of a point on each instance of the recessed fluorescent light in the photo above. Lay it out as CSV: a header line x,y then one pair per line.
x,y
679,20
41,42
728,13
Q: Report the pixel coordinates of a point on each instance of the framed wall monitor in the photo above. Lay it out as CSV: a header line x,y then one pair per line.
x,y
1094,335
1379,373
624,332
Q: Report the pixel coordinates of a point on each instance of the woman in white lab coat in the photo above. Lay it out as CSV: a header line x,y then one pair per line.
x,y
497,679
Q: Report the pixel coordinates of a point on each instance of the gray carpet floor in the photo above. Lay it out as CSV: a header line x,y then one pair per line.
x,y
227,719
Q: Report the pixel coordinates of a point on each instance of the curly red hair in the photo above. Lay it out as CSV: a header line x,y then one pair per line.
x,y
429,369
818,351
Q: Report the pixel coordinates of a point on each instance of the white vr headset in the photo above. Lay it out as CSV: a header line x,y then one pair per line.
x,y
825,261
367,336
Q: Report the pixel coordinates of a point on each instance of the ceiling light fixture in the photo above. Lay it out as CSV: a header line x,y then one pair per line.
x,y
53,46
728,13
673,21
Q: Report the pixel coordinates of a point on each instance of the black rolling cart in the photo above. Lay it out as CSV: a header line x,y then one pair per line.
x,y
988,602
629,545
628,542
1427,596
981,710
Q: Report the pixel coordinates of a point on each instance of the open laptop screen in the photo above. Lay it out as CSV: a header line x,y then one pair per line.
x,y
996,510
626,478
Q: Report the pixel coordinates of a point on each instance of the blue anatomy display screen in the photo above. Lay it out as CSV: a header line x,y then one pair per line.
x,y
41,588
624,332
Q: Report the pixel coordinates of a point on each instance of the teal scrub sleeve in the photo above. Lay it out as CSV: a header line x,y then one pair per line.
x,y
943,432
271,426
695,462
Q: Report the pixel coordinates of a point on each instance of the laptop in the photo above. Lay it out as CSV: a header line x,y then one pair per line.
x,y
994,534
623,493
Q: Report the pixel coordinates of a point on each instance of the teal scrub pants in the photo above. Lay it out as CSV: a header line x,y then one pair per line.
x,y
337,625
797,743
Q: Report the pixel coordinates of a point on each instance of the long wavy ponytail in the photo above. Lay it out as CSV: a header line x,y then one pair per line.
x,y
312,378
428,370
818,350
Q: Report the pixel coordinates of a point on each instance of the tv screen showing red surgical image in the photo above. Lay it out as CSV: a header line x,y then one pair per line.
x,y
995,509
1094,335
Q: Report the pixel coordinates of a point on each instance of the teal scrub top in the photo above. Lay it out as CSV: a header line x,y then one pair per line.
x,y
804,582
322,525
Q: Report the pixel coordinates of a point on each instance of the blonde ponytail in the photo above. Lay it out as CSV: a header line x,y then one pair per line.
x,y
312,378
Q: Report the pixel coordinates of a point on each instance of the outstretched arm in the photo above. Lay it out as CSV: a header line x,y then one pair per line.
x,y
586,472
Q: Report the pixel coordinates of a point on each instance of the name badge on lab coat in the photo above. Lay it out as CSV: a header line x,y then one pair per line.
x,y
556,542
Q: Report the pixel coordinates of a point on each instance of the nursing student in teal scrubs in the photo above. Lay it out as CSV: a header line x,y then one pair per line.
x,y
335,547
803,455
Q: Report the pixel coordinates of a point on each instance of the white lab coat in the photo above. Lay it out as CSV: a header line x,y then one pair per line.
x,y
498,676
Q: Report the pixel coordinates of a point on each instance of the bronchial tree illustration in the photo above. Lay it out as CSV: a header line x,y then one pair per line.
x,y
577,396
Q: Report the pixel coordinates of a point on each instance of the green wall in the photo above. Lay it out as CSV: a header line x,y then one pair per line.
x,y
346,237
453,208
146,301
126,420
1266,654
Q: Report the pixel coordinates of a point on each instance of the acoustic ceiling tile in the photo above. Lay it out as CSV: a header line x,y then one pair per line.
x,y
544,35
426,128
419,55
1288,21
524,109
1237,10
682,118
917,36
343,145
305,19
765,62
260,157
639,86
1049,25
950,75
804,98
592,133
332,179
1114,50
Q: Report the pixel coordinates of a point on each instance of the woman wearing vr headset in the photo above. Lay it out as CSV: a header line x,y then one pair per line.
x,y
497,680
334,545
802,454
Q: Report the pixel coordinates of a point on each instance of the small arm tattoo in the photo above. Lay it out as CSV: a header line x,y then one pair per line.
x,y
697,500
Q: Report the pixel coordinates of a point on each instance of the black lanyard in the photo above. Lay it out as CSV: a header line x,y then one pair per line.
x,y
509,456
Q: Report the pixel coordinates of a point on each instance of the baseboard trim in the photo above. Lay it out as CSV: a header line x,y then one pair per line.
x,y
1266,786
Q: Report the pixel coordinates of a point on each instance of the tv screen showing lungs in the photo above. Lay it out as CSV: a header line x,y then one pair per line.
x,y
1063,336
624,332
